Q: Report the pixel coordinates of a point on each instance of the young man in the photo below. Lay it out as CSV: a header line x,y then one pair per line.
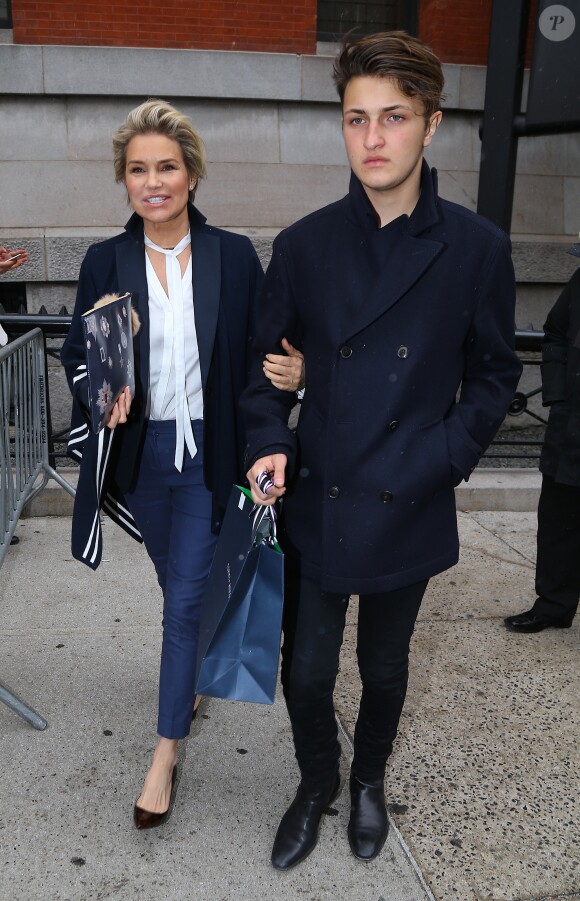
x,y
399,302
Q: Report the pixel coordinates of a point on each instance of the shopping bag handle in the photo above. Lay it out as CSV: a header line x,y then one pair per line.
x,y
263,522
264,525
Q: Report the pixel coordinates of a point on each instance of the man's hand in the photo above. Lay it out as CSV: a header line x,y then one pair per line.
x,y
121,410
275,465
285,372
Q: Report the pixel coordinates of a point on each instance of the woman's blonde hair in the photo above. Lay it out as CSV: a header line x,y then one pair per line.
x,y
161,118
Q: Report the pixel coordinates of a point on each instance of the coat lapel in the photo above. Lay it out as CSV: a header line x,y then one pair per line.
x,y
206,262
396,278
409,255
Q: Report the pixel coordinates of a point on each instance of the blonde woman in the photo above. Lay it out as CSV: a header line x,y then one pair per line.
x,y
178,443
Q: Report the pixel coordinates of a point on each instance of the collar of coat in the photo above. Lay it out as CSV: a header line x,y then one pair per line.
x,y
425,214
135,227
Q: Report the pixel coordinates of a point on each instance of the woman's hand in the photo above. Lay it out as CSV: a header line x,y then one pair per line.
x,y
286,372
8,261
121,410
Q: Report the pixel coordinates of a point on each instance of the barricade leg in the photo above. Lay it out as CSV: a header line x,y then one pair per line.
x,y
22,709
24,457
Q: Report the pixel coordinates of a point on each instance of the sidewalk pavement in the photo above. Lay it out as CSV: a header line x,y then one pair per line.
x,y
483,784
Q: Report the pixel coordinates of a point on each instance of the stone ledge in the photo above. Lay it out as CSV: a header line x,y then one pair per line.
x,y
543,261
515,490
57,258
130,71
53,500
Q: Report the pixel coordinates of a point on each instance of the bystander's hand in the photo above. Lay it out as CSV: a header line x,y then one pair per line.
x,y
12,259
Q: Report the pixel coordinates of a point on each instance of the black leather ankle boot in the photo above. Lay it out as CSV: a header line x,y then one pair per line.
x,y
368,825
298,830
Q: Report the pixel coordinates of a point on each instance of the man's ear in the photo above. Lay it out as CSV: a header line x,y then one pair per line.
x,y
432,127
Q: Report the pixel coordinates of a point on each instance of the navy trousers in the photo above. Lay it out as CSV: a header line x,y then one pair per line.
x,y
172,510
314,623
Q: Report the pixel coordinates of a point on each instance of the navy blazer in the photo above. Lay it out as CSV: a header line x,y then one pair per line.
x,y
408,338
227,276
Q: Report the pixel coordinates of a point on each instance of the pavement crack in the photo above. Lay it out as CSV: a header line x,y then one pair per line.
x,y
526,563
491,532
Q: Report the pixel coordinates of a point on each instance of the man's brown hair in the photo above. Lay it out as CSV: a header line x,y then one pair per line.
x,y
397,55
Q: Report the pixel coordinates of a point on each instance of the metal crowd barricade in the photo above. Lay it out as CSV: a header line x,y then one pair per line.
x,y
24,464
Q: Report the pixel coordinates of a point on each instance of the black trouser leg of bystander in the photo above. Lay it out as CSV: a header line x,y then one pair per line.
x,y
558,558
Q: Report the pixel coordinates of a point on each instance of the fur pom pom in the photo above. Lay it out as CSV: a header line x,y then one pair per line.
x,y
135,321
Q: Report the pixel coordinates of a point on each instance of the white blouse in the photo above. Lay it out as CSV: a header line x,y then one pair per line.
x,y
174,371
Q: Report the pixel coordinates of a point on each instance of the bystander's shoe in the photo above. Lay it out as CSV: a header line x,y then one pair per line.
x,y
368,826
297,833
535,622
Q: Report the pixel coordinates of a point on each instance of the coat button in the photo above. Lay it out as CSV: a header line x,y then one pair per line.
x,y
386,496
334,491
403,352
345,352
394,425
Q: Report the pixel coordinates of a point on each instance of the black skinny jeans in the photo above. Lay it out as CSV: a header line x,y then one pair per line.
x,y
313,631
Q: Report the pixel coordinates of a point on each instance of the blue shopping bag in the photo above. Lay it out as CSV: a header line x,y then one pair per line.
x,y
241,620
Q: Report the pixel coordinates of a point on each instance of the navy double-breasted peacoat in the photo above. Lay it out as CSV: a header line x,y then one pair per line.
x,y
227,276
408,337
560,456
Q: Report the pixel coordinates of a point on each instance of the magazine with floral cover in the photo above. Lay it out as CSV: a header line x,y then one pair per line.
x,y
109,352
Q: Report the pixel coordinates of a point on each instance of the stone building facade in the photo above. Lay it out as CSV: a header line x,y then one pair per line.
x,y
257,85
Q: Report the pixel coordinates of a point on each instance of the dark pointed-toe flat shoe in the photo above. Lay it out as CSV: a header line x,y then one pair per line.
x,y
368,826
297,833
146,819
535,622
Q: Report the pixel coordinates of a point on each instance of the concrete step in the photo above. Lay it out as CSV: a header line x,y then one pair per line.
x,y
53,500
515,490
